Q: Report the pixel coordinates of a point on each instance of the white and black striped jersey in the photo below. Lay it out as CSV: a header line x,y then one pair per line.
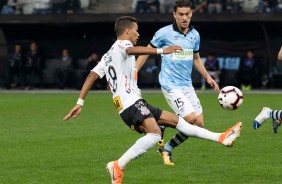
x,y
121,74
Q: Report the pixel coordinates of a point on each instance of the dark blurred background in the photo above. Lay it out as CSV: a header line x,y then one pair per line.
x,y
84,27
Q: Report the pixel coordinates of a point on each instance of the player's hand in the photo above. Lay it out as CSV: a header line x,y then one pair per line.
x,y
172,49
213,84
74,112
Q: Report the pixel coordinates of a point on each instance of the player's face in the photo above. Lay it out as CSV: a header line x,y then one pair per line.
x,y
250,54
183,16
18,48
133,33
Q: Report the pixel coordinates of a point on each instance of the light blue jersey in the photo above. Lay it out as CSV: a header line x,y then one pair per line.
x,y
176,67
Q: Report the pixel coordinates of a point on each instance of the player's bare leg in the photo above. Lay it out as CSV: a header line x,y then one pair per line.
x,y
152,137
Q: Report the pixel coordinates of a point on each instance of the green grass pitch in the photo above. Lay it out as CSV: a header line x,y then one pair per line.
x,y
38,147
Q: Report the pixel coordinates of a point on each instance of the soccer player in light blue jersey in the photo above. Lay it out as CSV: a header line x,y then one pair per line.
x,y
175,75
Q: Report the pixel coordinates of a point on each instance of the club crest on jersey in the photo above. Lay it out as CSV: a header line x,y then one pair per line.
x,y
144,110
193,39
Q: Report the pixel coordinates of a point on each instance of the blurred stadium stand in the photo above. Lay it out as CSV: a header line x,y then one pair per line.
x,y
104,6
228,35
276,75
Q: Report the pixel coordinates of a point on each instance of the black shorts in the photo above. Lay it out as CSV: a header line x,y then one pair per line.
x,y
134,115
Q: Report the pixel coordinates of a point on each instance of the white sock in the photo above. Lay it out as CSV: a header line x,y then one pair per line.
x,y
195,131
140,147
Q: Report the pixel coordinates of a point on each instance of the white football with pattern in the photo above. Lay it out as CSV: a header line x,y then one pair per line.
x,y
230,98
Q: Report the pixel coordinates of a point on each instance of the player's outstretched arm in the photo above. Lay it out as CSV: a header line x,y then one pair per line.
x,y
171,49
144,53
140,50
141,60
75,111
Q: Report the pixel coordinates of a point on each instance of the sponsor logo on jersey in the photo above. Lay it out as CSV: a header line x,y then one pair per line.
x,y
117,102
186,54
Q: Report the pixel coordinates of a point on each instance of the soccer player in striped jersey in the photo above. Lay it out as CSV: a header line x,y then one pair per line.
x,y
119,67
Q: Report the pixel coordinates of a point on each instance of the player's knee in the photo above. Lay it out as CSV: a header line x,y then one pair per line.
x,y
156,131
199,124
155,138
194,120
190,119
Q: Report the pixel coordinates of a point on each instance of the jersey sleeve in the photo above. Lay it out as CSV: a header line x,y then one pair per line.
x,y
100,68
123,45
158,39
197,43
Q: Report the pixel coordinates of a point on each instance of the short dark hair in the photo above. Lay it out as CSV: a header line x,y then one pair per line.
x,y
181,3
122,23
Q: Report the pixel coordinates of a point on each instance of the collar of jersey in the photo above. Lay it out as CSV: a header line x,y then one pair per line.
x,y
175,28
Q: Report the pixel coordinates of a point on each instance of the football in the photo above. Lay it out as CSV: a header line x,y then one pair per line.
x,y
230,98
